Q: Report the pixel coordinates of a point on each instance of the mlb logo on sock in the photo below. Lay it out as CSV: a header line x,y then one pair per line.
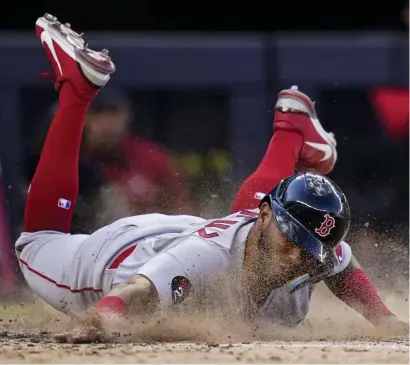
x,y
64,203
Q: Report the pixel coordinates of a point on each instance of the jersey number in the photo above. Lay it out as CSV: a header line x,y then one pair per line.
x,y
223,224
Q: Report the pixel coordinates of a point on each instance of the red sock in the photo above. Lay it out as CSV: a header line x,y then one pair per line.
x,y
53,191
279,162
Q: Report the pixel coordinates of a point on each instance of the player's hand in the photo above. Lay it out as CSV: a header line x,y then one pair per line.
x,y
80,335
392,326
89,329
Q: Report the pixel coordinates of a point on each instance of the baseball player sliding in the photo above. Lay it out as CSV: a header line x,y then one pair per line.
x,y
285,233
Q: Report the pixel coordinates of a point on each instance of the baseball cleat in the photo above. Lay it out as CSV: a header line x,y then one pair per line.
x,y
69,56
295,111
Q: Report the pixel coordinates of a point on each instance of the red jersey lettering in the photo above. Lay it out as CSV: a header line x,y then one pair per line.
x,y
206,232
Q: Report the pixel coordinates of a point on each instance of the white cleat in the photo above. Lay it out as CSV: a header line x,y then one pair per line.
x,y
296,111
66,50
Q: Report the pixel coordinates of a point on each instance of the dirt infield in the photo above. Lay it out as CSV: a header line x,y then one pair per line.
x,y
25,349
333,334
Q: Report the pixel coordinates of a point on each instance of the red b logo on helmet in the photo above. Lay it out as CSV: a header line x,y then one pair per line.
x,y
326,226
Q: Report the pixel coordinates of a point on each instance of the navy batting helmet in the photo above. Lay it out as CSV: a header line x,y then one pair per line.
x,y
313,213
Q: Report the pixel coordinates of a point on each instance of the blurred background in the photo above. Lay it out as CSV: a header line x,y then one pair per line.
x,y
187,116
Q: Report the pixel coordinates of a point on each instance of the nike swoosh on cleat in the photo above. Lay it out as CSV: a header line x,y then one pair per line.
x,y
326,149
46,38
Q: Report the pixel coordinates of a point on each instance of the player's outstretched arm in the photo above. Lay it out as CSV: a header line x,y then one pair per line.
x,y
138,294
353,287
166,279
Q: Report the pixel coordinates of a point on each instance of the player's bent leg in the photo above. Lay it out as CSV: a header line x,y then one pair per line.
x,y
278,163
79,73
299,142
47,253
53,191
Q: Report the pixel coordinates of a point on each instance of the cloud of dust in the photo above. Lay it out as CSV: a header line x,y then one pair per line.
x,y
329,319
385,259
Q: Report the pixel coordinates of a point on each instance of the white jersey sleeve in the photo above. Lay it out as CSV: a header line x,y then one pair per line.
x,y
184,268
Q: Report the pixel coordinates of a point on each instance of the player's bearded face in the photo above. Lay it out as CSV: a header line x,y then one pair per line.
x,y
280,260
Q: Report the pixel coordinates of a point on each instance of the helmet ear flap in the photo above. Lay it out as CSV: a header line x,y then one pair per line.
x,y
266,199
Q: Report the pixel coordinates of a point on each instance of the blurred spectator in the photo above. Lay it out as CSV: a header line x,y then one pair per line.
x,y
145,177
